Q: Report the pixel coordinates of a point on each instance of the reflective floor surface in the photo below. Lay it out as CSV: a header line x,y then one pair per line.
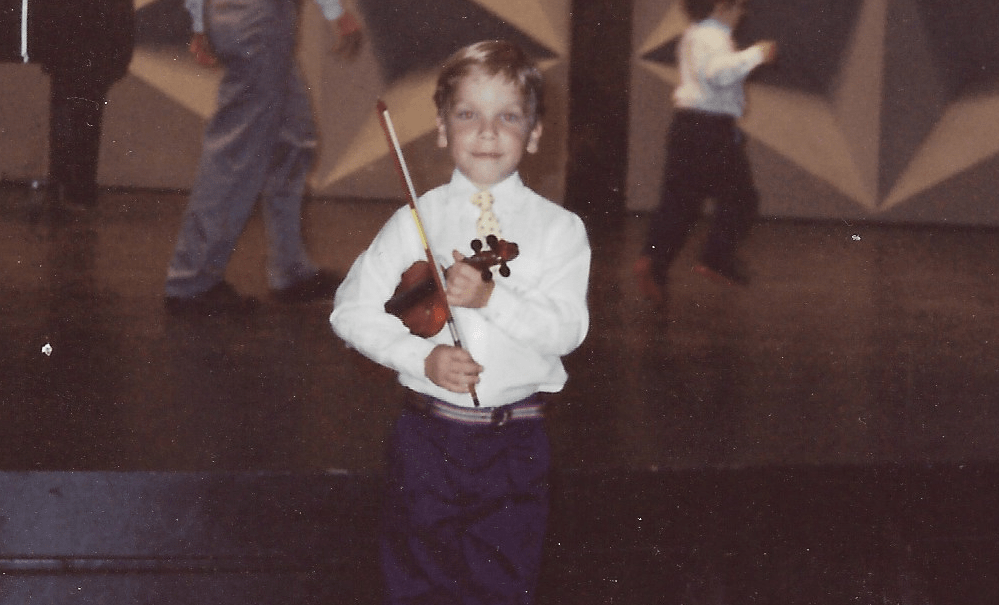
x,y
862,359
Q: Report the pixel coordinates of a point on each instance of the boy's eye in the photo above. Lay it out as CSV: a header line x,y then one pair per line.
x,y
513,118
463,114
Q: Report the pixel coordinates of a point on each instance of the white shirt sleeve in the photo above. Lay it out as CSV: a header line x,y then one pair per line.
x,y
196,8
712,71
332,9
720,64
359,316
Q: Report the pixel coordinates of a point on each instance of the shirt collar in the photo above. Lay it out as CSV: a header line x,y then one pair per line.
x,y
463,188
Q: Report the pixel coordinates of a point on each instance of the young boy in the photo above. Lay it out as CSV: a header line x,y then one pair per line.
x,y
705,149
467,486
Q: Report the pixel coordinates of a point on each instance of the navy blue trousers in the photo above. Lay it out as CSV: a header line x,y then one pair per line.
x,y
465,512
258,147
705,158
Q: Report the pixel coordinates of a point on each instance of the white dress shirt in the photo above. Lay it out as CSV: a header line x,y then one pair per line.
x,y
533,317
712,71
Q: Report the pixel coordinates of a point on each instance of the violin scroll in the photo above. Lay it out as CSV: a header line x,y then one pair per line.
x,y
499,253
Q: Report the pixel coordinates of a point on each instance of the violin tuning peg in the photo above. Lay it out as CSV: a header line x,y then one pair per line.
x,y
504,270
476,245
491,241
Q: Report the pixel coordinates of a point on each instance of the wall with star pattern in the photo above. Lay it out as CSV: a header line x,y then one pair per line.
x,y
877,109
155,116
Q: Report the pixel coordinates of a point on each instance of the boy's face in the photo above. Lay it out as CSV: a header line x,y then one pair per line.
x,y
487,129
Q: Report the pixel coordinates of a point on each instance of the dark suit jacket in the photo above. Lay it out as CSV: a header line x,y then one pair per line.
x,y
86,38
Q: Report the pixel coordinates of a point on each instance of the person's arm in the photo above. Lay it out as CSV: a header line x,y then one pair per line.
x,y
199,47
552,316
196,8
345,28
359,316
721,65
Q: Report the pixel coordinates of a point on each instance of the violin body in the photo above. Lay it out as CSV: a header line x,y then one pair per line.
x,y
417,301
422,306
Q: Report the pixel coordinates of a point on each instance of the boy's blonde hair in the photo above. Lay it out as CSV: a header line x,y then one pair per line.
x,y
493,57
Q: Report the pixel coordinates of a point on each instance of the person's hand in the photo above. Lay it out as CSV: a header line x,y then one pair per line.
x,y
769,48
201,48
465,286
348,36
451,368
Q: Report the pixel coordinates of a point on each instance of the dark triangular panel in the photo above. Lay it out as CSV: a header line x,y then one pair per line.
x,y
812,38
915,94
665,54
967,198
165,22
409,36
788,190
10,30
963,34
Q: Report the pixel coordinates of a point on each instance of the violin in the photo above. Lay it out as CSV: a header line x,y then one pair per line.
x,y
422,306
431,265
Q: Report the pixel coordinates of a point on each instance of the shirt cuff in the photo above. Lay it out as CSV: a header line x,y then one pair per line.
x,y
332,9
409,357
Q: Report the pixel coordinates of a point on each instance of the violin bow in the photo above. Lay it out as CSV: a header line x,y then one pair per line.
x,y
407,181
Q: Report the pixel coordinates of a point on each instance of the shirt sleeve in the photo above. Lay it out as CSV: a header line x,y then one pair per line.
x,y
359,316
719,63
196,8
551,316
332,9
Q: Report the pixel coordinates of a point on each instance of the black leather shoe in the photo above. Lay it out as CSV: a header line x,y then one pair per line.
x,y
321,286
220,299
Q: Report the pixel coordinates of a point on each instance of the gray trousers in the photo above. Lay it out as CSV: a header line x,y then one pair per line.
x,y
259,144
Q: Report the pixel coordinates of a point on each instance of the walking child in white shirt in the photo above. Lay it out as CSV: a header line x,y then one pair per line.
x,y
705,149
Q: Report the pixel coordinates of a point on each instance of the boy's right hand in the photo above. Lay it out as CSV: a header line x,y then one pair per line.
x,y
451,368
348,35
202,50
769,48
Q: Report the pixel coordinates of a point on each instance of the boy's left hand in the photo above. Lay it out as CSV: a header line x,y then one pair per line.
x,y
349,36
465,286
202,50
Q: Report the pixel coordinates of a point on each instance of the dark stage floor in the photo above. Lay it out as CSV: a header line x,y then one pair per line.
x,y
842,408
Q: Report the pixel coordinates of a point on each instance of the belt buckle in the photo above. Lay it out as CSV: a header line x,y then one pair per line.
x,y
501,416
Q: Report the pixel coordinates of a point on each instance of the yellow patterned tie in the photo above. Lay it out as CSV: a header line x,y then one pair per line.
x,y
487,224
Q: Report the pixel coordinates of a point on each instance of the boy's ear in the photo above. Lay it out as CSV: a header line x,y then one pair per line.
x,y
441,133
534,138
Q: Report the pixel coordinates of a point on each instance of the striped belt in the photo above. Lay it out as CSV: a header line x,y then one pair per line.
x,y
526,409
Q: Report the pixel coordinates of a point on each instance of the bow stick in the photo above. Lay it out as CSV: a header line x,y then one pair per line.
x,y
400,164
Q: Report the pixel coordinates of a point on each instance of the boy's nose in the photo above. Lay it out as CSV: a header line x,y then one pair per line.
x,y
488,128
